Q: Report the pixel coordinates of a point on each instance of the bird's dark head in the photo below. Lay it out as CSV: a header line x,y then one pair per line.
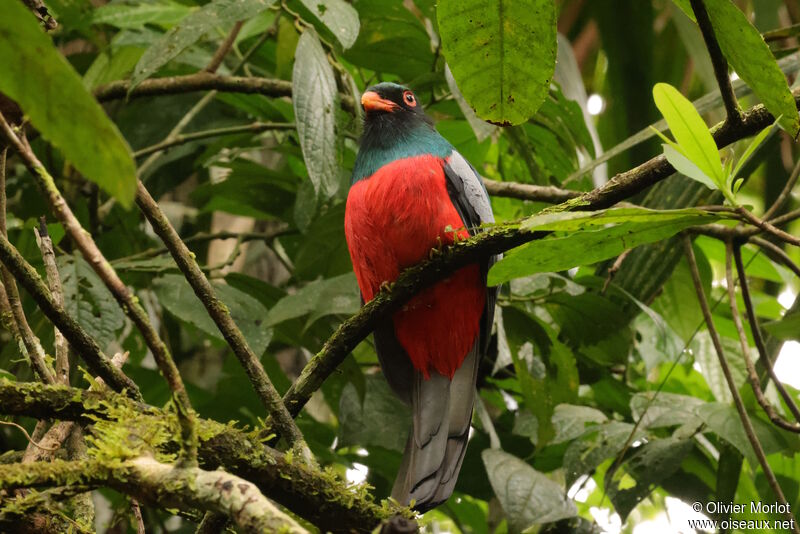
x,y
395,127
391,103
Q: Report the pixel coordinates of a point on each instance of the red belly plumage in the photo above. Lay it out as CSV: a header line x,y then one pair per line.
x,y
392,221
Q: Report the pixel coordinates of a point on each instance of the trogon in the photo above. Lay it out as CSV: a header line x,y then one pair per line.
x,y
412,193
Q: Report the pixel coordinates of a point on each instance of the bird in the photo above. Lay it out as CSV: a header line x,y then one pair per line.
x,y
413,193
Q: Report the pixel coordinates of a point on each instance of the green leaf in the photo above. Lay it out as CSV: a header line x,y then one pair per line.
x,y
596,445
63,112
211,17
690,132
88,301
175,294
686,167
590,237
337,295
723,420
391,39
528,497
571,420
315,99
119,15
381,419
502,54
338,16
662,409
649,464
787,328
752,147
752,60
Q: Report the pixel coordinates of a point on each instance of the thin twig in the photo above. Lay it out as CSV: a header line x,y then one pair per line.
x,y
256,127
752,375
54,281
785,192
224,48
221,316
776,254
28,436
747,425
122,294
718,61
758,339
204,237
137,515
768,227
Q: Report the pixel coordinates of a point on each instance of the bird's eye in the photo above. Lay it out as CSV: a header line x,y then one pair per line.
x,y
409,99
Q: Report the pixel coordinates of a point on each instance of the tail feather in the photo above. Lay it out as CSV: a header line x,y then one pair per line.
x,y
442,410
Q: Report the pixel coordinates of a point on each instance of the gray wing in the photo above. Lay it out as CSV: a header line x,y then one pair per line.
x,y
471,200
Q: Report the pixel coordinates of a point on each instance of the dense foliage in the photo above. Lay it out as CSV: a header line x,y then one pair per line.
x,y
607,397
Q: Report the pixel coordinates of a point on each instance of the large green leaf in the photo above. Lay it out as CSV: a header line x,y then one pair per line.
x,y
528,497
315,98
691,133
51,93
338,16
752,60
88,301
214,15
175,294
502,54
380,418
583,238
323,297
632,481
122,15
786,328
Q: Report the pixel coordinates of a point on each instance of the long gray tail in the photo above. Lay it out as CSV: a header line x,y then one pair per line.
x,y
442,411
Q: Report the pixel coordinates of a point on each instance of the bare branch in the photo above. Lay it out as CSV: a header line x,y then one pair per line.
x,y
776,254
539,193
747,425
224,48
752,375
758,339
176,140
54,281
40,10
785,192
768,227
718,61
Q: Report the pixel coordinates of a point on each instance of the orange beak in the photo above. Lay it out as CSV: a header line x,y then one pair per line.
x,y
372,101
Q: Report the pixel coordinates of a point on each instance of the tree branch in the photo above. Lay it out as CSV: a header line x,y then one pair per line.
x,y
759,340
256,127
221,316
203,81
54,281
768,227
752,375
747,425
718,61
539,193
129,304
162,485
319,497
224,48
776,254
785,192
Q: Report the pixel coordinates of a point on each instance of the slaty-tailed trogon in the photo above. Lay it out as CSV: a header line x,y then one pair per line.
x,y
413,192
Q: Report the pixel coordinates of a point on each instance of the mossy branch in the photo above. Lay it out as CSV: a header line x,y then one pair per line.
x,y
320,497
161,485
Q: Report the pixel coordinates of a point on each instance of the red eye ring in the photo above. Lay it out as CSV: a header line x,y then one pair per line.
x,y
408,98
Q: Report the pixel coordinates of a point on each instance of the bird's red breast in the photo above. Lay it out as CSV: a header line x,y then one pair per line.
x,y
393,220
